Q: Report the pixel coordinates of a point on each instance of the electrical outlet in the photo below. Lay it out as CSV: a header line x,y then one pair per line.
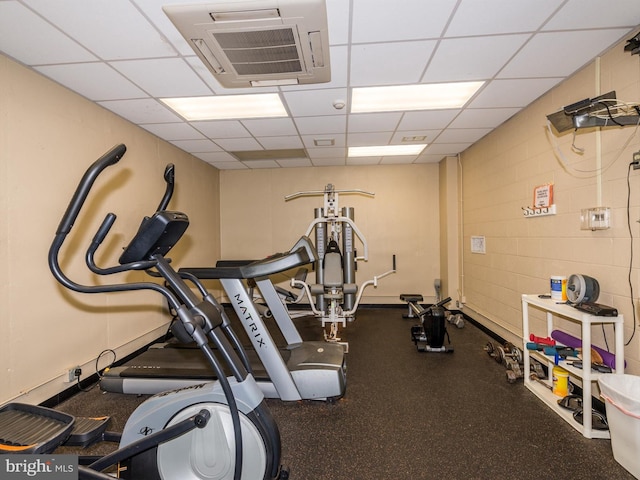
x,y
636,160
74,373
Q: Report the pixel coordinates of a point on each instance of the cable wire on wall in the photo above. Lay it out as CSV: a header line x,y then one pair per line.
x,y
633,305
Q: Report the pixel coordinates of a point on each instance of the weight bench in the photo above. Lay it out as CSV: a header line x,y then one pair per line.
x,y
410,298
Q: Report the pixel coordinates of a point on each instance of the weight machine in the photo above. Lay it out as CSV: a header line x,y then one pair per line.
x,y
335,291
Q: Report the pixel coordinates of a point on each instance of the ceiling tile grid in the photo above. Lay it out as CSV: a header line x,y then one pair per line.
x,y
126,55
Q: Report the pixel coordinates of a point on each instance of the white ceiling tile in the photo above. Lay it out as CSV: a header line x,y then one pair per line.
x,y
163,77
563,53
275,143
512,93
325,152
95,81
196,146
338,21
315,102
141,111
398,160
367,122
490,17
218,157
389,64
53,46
321,125
463,59
462,135
221,129
111,29
270,127
383,21
368,139
397,138
329,162
235,165
483,117
583,14
446,148
308,140
399,135
294,162
238,144
153,10
174,131
432,119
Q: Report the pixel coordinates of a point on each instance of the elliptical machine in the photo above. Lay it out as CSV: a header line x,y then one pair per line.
x,y
219,430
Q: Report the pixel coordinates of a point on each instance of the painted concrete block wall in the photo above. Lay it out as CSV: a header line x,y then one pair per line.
x,y
499,175
48,137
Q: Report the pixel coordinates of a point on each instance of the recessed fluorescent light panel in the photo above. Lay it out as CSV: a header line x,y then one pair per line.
x,y
227,106
413,97
386,150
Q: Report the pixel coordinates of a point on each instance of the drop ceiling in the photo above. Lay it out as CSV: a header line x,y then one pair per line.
x,y
125,55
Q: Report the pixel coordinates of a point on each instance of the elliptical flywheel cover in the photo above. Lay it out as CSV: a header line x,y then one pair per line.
x,y
582,288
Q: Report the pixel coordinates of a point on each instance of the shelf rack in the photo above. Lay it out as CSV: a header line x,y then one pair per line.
x,y
567,312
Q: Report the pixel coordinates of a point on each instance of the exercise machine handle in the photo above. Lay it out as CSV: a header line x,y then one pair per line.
x,y
69,217
98,238
112,157
169,178
441,303
311,193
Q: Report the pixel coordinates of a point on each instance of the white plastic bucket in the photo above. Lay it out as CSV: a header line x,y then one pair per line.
x,y
558,284
622,401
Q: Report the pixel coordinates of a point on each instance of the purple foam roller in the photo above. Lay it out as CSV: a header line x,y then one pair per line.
x,y
608,358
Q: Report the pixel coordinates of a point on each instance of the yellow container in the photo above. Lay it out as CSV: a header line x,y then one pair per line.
x,y
560,379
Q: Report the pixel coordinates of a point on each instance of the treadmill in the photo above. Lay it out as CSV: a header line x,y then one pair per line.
x,y
302,370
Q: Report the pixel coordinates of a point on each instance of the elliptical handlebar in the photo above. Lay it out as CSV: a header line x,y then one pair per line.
x,y
169,178
112,157
69,217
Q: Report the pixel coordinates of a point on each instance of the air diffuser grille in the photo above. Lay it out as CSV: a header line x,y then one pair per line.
x,y
258,42
261,52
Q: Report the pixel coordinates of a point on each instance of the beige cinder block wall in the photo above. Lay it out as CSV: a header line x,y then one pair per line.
x,y
499,175
48,137
401,219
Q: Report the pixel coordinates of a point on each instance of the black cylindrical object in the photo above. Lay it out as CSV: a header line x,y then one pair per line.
x,y
434,327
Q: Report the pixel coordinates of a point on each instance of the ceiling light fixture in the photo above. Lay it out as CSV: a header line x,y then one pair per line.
x,y
386,150
227,106
413,97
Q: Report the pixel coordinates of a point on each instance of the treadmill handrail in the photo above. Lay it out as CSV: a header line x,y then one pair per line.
x,y
279,262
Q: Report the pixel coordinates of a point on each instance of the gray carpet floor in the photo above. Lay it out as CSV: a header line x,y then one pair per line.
x,y
414,415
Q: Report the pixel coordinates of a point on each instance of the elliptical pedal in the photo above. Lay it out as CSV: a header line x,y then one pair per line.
x,y
32,429
87,431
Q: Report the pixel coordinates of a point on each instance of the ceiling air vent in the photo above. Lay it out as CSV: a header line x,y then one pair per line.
x,y
258,42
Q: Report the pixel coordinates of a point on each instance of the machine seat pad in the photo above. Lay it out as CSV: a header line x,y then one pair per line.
x,y
411,297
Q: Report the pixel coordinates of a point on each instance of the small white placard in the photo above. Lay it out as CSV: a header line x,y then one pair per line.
x,y
477,244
